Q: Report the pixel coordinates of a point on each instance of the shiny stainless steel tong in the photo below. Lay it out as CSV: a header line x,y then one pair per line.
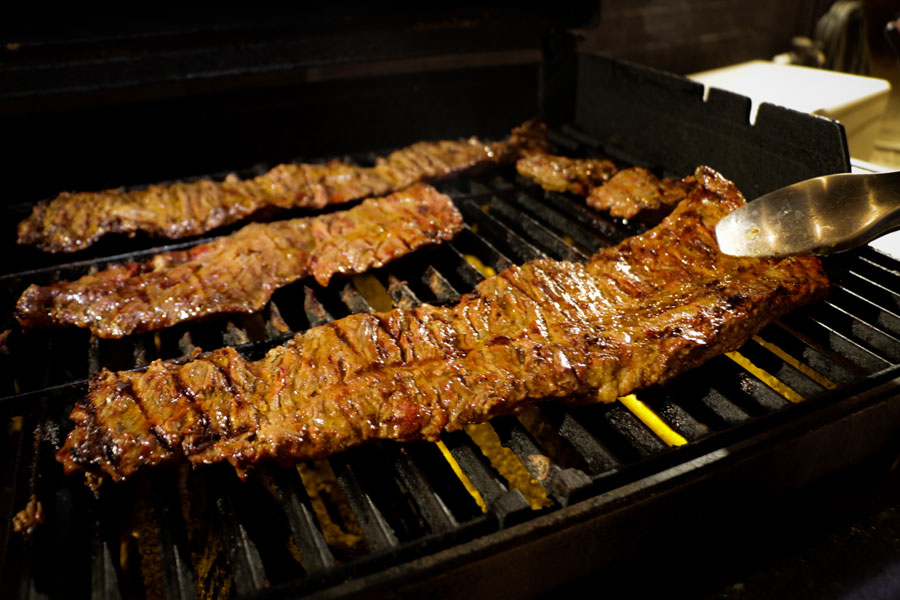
x,y
823,215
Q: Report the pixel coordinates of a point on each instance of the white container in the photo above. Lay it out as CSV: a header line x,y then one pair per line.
x,y
857,102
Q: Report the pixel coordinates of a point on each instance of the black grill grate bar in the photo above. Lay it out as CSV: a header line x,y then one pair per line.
x,y
866,309
680,420
722,408
431,507
550,244
851,353
606,228
316,313
781,370
174,559
508,241
401,294
595,455
468,242
248,570
474,466
354,301
874,286
563,224
439,286
379,535
868,336
629,429
563,485
294,500
820,359
744,387
877,266
104,577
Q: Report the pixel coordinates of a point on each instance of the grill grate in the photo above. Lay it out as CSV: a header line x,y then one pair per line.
x,y
178,531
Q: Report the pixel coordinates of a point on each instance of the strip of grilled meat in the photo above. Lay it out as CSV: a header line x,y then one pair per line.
x,y
73,221
635,315
638,192
627,193
563,174
239,272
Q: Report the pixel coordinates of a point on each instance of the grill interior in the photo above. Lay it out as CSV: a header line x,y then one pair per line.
x,y
377,512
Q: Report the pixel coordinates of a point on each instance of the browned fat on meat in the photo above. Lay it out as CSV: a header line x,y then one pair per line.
x,y
562,174
73,221
238,273
635,315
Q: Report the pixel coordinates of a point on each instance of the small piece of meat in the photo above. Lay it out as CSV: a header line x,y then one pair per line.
x,y
635,315
74,221
561,174
238,273
637,191
27,520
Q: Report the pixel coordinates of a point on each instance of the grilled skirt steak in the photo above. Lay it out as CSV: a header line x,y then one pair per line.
x,y
627,193
635,315
73,221
562,174
638,192
239,272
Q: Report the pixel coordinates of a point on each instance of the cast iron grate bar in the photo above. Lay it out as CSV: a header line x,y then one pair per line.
x,y
563,485
174,558
820,359
629,429
562,224
294,500
467,242
509,241
825,334
249,571
782,371
378,533
866,309
595,455
550,244
744,388
435,513
882,344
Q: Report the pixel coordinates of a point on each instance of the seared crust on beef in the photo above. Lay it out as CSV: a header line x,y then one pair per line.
x,y
627,193
635,315
239,272
562,174
73,221
636,191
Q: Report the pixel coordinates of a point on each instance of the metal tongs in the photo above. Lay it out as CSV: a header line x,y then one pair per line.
x,y
823,215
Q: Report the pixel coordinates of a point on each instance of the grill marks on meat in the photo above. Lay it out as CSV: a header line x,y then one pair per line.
x,y
637,191
562,174
73,221
635,315
239,272
627,193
